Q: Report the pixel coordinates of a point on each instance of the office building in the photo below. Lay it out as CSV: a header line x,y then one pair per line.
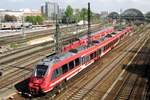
x,y
50,10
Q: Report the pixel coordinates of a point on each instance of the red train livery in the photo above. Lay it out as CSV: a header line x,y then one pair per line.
x,y
53,71
83,40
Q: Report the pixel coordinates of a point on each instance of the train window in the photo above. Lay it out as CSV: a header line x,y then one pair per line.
x,y
110,44
71,65
94,54
99,51
87,58
83,60
56,73
105,47
64,68
77,62
40,70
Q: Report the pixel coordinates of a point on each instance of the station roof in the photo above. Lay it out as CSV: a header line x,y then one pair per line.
x,y
132,14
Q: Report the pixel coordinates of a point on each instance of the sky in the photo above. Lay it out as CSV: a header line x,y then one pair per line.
x,y
96,5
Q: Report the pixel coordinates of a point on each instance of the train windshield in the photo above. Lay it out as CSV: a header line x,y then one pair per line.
x,y
40,70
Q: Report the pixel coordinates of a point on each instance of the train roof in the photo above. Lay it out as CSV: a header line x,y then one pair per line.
x,y
50,60
93,33
76,50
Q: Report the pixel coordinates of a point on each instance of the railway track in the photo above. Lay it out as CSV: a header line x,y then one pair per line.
x,y
102,87
81,76
26,67
34,35
81,91
133,86
20,70
23,52
5,57
17,68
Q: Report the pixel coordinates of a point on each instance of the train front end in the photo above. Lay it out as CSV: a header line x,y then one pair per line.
x,y
37,83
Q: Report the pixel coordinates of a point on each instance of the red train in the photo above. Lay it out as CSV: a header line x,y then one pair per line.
x,y
83,40
52,72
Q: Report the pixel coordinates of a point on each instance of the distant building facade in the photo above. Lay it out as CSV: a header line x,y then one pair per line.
x,y
50,10
61,13
17,14
43,10
32,13
19,17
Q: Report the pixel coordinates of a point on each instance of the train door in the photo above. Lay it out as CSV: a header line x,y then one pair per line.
x,y
56,73
71,65
98,52
77,62
65,68
102,51
85,59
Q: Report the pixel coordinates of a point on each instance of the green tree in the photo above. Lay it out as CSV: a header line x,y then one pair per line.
x,y
77,15
9,18
95,18
35,19
39,20
69,13
84,14
14,18
30,19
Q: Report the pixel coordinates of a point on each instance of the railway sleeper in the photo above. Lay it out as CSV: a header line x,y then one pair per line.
x,y
57,90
